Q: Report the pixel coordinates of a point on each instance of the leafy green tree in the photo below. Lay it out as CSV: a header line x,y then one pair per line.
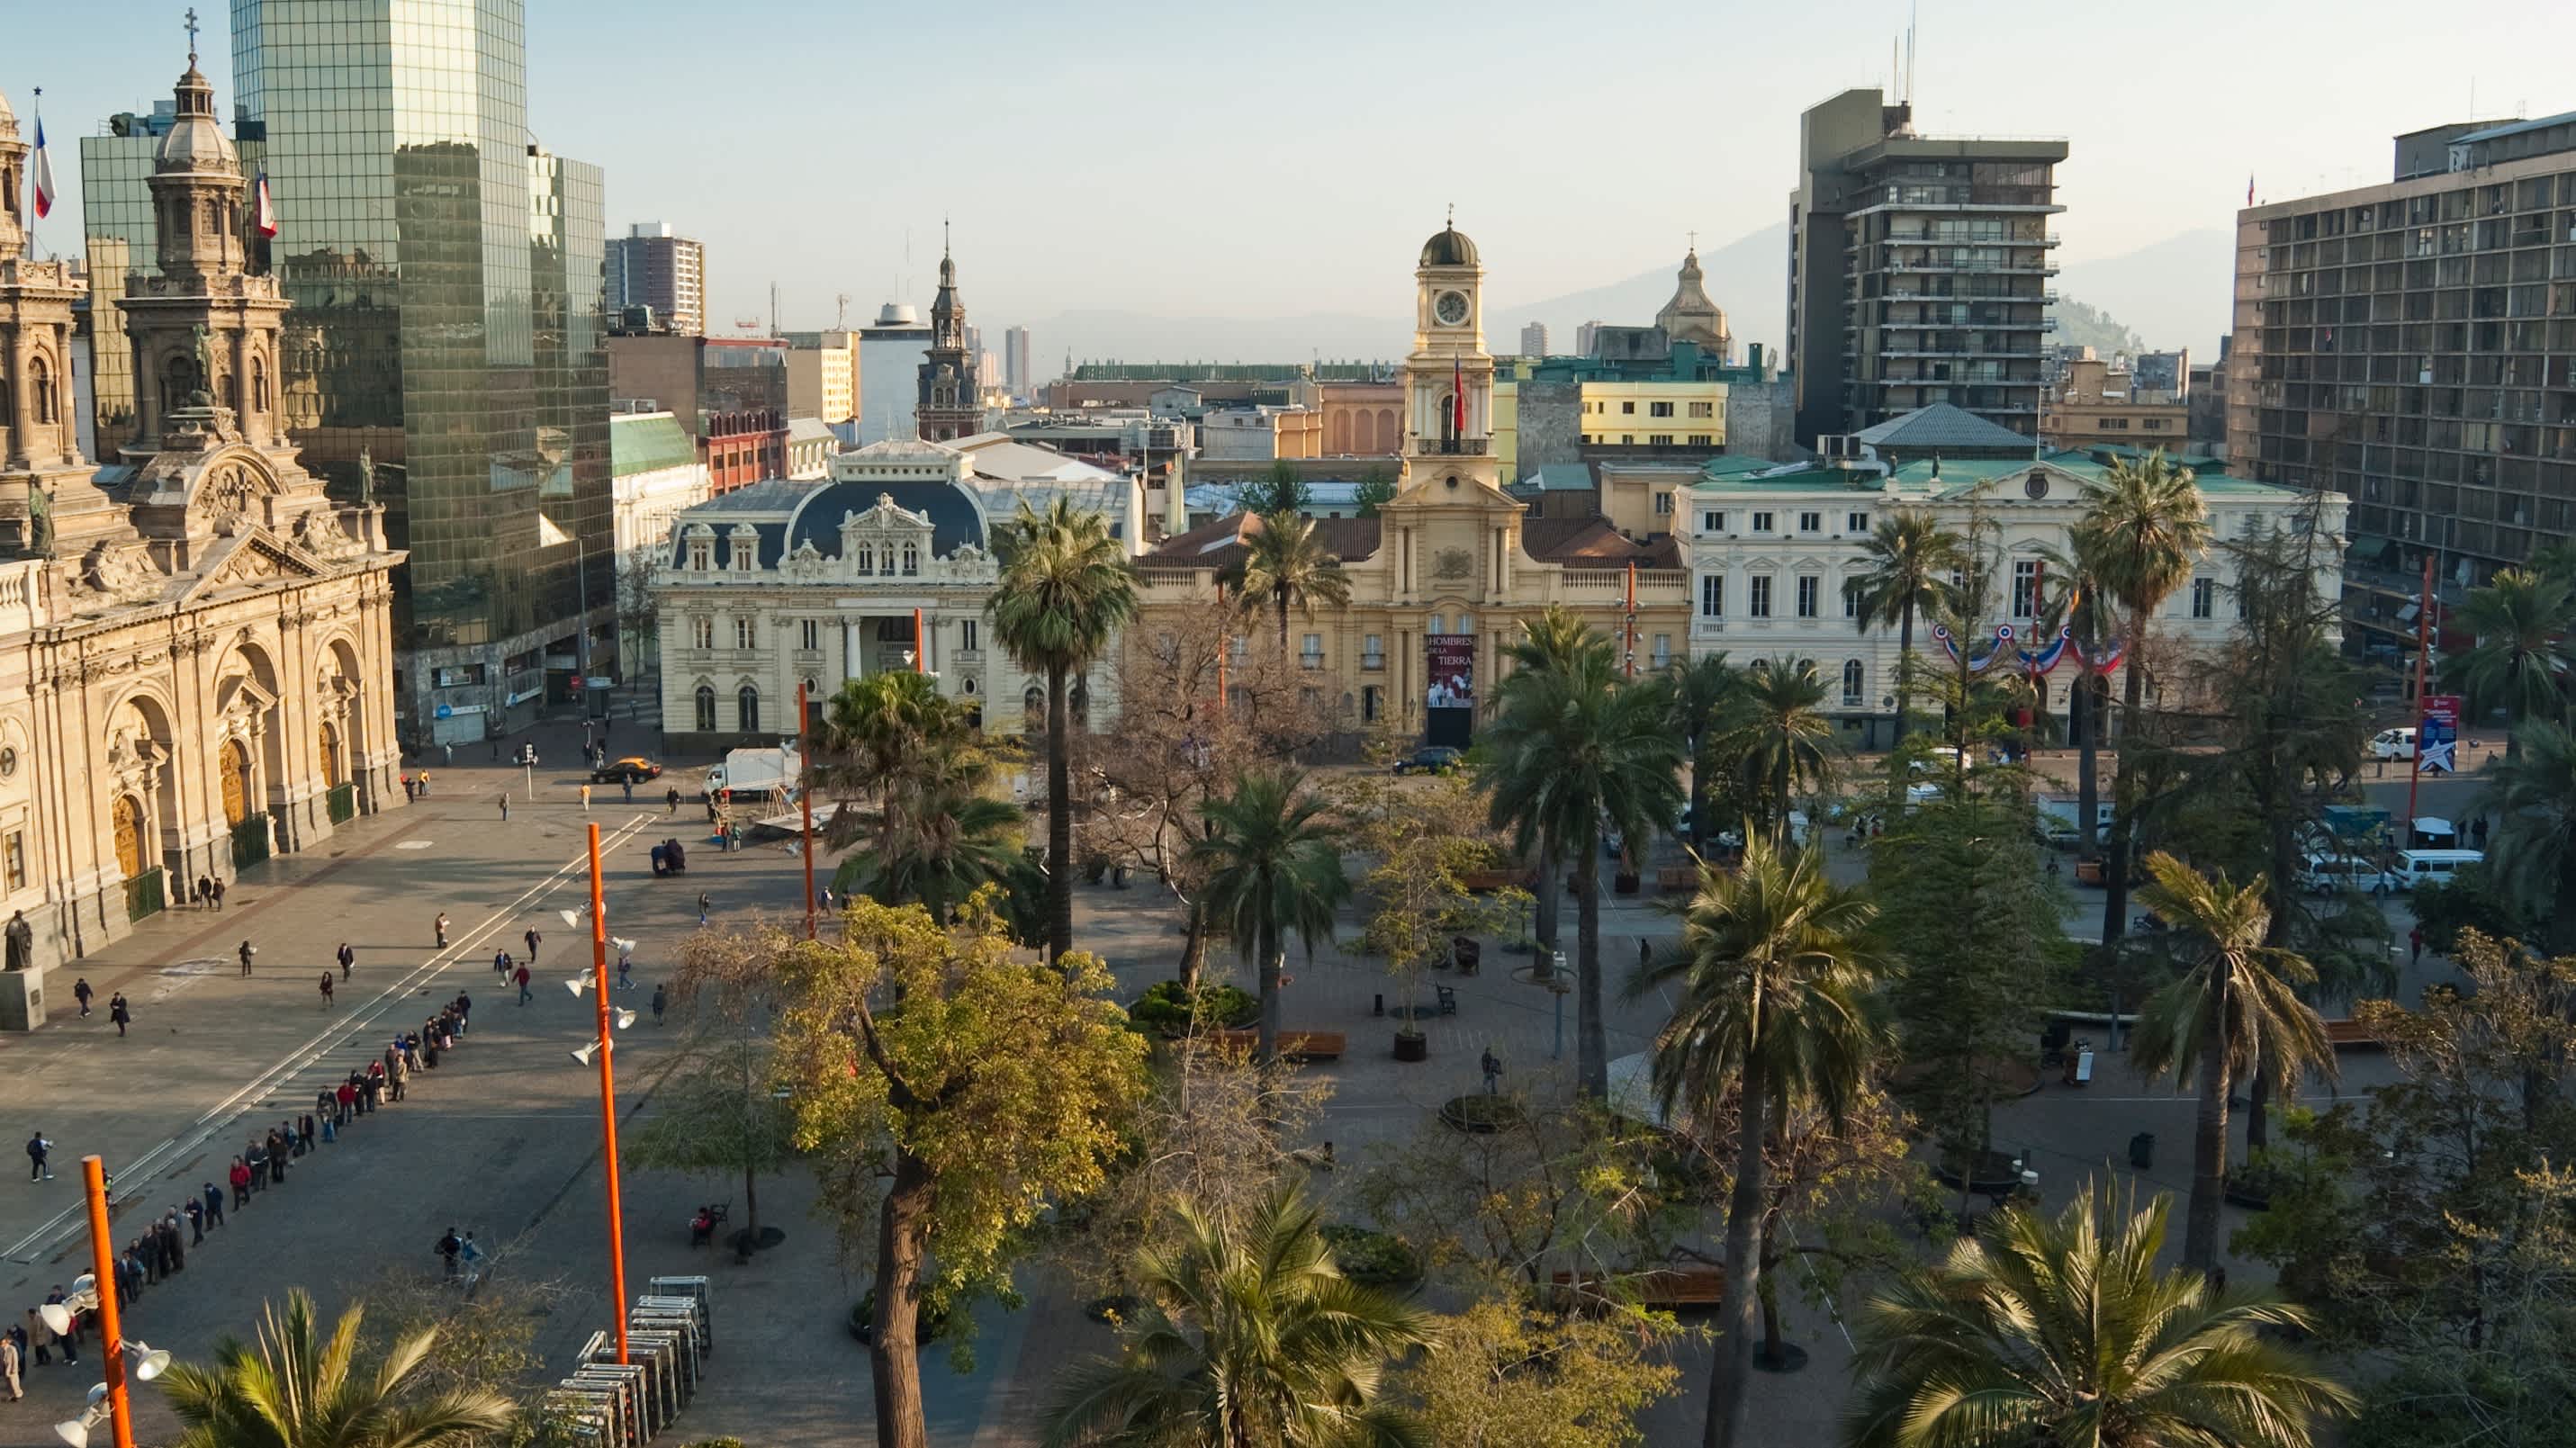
x,y
1906,568
1282,490
1425,840
1773,974
2471,899
716,1115
1065,592
1273,863
2235,1003
1286,566
1699,693
2065,1331
1600,1371
1376,490
1575,744
2522,621
2075,599
2143,530
295,1388
2533,854
1249,1335
946,1091
1780,736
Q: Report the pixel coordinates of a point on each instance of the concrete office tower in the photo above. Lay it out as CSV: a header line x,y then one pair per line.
x,y
653,268
1015,362
2407,345
1534,340
1587,336
891,352
1918,269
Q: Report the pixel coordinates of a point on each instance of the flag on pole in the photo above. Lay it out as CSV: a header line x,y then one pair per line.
x,y
1457,397
265,216
41,175
548,535
2249,188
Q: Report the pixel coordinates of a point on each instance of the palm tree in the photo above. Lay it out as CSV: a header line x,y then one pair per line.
x,y
1250,1335
1274,868
1575,745
886,735
2064,1332
1699,693
1286,565
1553,643
954,841
2521,621
294,1389
2143,529
1909,559
2533,796
1064,593
2235,1004
1780,736
1775,968
2079,603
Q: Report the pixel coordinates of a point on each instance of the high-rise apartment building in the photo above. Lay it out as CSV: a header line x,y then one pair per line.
x,y
891,352
1918,269
2412,345
1534,340
1587,336
444,348
663,274
1015,362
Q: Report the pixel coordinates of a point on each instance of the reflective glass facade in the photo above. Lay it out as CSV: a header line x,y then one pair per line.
x,y
117,214
445,276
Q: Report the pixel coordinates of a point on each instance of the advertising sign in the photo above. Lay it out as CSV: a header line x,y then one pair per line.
x,y
2438,737
1451,671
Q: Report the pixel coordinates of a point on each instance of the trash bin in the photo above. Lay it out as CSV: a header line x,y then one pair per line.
x,y
2142,1150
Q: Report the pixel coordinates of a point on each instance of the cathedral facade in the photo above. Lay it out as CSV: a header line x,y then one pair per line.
x,y
196,665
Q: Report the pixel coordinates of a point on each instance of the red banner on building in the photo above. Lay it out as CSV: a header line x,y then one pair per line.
x,y
1451,670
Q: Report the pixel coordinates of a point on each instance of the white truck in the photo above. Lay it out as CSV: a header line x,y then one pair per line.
x,y
755,771
2061,819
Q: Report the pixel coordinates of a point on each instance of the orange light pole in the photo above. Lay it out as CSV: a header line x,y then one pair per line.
x,y
111,1333
805,799
920,646
607,1102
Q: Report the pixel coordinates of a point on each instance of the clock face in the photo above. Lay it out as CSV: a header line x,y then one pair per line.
x,y
1450,308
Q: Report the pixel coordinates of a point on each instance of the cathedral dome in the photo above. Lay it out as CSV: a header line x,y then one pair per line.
x,y
1448,247
196,141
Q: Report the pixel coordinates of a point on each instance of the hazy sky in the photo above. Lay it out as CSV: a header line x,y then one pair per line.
x,y
1228,159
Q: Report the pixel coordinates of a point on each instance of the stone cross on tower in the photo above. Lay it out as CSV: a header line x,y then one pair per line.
x,y
192,35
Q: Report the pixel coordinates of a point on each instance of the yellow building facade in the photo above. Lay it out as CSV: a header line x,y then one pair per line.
x,y
1443,579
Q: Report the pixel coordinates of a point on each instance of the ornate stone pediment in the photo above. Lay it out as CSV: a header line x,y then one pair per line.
x,y
253,558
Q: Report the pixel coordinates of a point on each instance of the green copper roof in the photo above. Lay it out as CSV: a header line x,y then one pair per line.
x,y
648,442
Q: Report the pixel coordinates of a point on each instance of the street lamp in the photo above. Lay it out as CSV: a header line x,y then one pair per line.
x,y
605,1049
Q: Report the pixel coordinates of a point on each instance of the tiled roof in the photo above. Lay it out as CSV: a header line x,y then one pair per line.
x,y
1941,426
1219,544
1592,542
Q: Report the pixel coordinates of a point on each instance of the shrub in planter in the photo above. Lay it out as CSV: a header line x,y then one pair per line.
x,y
1481,1113
1372,1258
1165,1008
928,1325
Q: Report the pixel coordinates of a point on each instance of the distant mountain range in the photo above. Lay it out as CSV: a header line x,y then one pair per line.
x,y
2172,293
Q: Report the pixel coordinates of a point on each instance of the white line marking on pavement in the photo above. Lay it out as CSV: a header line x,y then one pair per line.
x,y
342,1031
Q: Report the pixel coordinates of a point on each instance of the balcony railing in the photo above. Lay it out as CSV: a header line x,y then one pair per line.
x,y
1373,663
1465,447
1310,661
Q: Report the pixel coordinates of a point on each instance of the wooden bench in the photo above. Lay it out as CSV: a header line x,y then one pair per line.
x,y
1677,877
2352,1035
1481,882
1293,1045
1667,1287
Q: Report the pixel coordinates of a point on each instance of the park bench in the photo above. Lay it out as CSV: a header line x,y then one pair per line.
x,y
1677,877
1664,1287
1293,1045
1481,882
2352,1035
1448,999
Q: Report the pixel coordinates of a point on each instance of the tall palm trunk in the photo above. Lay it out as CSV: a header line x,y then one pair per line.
x,y
1549,902
2276,934
1283,623
2124,792
1194,948
1059,818
1274,964
1904,687
1591,1047
894,1360
2209,1140
1731,1371
2088,763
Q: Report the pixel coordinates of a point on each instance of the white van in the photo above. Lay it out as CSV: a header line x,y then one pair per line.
x,y
2416,866
2326,874
2393,744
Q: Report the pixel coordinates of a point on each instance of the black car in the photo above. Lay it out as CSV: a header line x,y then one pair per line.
x,y
1435,758
633,769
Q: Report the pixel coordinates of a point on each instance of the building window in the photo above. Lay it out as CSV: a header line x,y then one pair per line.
x,y
911,561
2204,597
865,559
1809,588
1854,676
699,548
1761,522
1659,439
706,709
1811,522
809,635
702,633
1856,523
2152,424
1712,595
1629,408
1851,597
745,635
2113,424
1757,602
746,703
1310,650
2025,602
1373,653
966,635
1703,409
1626,438
1439,624
15,861
1659,409
1703,439
1663,505
1663,654
1372,703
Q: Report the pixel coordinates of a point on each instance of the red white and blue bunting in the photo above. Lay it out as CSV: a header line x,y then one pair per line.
x,y
2030,661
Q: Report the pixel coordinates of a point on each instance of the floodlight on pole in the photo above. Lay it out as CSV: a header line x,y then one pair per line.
x,y
111,1333
584,1053
577,984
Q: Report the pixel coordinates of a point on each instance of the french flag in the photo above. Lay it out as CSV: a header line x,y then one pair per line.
x,y
42,175
264,213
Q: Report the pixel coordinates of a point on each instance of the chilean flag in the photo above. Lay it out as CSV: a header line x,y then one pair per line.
x,y
1457,397
265,213
42,177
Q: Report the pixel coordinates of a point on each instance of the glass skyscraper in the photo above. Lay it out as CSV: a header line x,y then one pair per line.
x,y
446,346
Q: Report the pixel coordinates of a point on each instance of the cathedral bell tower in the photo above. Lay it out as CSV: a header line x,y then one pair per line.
x,y
44,483
951,400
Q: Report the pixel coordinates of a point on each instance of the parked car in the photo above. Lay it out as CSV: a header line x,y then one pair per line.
x,y
633,769
2393,744
1434,758
2322,874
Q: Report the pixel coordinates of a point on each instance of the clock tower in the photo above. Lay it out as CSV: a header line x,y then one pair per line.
x,y
1449,377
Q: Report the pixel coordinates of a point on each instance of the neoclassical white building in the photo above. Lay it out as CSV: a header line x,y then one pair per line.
x,y
195,642
1771,549
792,582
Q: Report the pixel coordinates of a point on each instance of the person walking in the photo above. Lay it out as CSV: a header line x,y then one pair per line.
x,y
246,952
448,1248
348,958
400,1073
2415,943
625,970
702,907
9,1367
37,1150
628,784
424,784
441,923
81,993
119,1012
522,979
326,990
239,1176
501,963
585,799
196,1222
471,1257
532,937
671,800
214,1205
661,1002
257,1156
40,1335
219,895
1493,1069
505,808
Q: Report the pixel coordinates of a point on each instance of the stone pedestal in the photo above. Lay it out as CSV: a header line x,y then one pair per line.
x,y
22,999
